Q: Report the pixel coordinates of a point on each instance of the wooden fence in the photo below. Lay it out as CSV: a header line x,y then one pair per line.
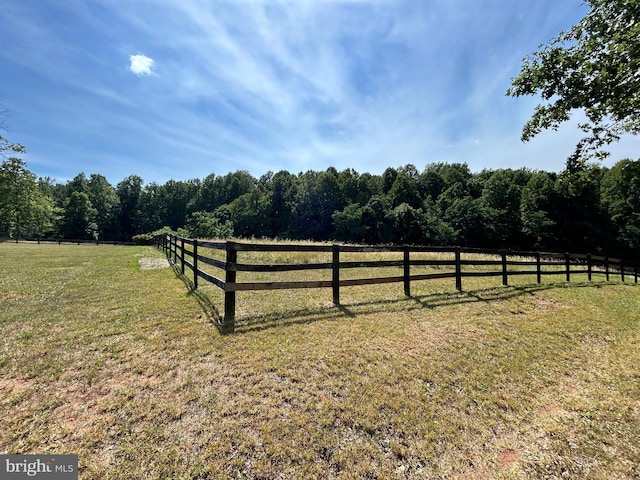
x,y
507,263
67,241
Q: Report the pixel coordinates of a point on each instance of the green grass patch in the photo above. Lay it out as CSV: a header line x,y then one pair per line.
x,y
108,356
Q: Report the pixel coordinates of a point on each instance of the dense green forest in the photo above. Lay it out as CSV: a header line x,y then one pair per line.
x,y
587,209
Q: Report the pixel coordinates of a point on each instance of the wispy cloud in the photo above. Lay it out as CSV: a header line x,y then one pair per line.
x,y
279,84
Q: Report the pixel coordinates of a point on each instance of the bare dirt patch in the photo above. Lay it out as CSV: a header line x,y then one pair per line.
x,y
546,304
153,263
16,385
508,457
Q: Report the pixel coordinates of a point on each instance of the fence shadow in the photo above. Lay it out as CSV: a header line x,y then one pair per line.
x,y
461,262
346,310
403,304
209,309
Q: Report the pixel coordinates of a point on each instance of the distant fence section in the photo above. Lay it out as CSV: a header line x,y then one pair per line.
x,y
186,252
67,241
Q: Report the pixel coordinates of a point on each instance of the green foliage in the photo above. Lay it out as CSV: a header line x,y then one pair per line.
x,y
500,199
6,147
79,218
585,208
129,192
105,200
538,199
404,190
408,224
620,190
580,220
207,225
348,223
249,213
317,197
24,209
376,221
143,238
594,68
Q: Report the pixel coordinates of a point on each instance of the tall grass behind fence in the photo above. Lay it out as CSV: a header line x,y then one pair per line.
x,y
66,241
237,266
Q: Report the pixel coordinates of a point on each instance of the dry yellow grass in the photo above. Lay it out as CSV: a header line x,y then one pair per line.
x,y
124,367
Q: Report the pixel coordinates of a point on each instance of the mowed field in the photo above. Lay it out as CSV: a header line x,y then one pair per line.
x,y
105,355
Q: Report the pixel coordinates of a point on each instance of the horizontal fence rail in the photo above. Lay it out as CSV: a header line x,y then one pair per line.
x,y
67,241
186,252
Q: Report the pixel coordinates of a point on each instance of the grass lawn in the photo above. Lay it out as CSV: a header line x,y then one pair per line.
x,y
107,358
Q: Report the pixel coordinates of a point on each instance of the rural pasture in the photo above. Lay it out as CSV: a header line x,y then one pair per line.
x,y
108,353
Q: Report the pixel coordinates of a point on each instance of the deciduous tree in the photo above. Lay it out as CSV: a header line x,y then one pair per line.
x,y
620,191
17,187
79,218
594,68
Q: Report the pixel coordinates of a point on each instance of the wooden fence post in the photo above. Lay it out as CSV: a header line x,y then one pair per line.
x,y
458,270
567,258
195,263
175,249
606,267
407,271
635,272
538,268
335,269
182,255
621,271
505,277
230,296
589,273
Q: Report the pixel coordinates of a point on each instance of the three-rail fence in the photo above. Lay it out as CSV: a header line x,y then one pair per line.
x,y
186,252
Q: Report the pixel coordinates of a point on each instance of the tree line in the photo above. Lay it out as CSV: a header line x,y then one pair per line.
x,y
585,208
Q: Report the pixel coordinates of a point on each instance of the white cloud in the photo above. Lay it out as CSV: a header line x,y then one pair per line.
x,y
141,65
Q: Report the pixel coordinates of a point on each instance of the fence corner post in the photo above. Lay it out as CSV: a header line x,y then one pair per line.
x,y
505,276
335,270
175,249
458,270
195,263
182,255
229,322
406,271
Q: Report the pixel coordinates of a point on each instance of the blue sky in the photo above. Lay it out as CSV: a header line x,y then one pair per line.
x,y
179,89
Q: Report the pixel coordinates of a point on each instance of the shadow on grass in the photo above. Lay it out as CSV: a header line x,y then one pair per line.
x,y
344,311
209,309
431,301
